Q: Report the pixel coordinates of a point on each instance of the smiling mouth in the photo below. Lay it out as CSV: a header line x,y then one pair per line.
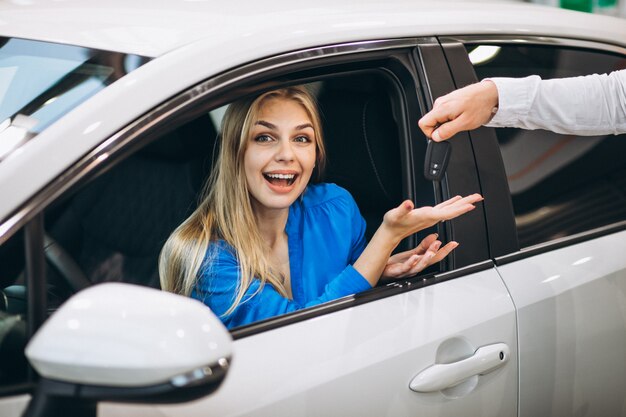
x,y
280,180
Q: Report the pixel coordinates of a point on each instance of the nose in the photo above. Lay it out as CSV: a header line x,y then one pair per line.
x,y
285,151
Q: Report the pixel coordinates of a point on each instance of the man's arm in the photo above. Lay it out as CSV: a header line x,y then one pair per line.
x,y
590,105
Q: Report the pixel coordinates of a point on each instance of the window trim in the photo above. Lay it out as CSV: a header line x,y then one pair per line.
x,y
563,242
461,176
536,40
378,293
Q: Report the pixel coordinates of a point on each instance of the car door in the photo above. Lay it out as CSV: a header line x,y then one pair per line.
x,y
360,355
442,343
568,279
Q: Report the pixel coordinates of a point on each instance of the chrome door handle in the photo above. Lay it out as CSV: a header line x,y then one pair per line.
x,y
441,376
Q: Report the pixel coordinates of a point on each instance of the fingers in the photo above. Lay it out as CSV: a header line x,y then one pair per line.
x,y
449,129
463,109
415,263
443,252
456,206
418,263
420,249
432,119
425,244
433,255
449,201
470,199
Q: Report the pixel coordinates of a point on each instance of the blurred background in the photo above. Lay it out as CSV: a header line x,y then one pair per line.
x,y
608,7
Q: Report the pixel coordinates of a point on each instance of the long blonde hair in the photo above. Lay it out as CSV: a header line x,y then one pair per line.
x,y
225,211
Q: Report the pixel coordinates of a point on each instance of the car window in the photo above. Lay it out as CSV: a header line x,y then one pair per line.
x,y
41,81
114,227
560,184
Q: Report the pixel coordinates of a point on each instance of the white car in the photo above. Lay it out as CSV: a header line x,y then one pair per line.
x,y
109,115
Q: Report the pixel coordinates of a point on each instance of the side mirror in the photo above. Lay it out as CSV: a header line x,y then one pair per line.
x,y
126,343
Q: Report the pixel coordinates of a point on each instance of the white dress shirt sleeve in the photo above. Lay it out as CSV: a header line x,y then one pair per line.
x,y
589,105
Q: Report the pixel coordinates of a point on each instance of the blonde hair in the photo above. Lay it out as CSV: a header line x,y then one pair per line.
x,y
225,211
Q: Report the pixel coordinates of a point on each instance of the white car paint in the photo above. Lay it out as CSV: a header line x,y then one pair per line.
x,y
572,328
124,335
153,28
360,361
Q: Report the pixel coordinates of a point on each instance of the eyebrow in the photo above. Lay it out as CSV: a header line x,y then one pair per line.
x,y
266,124
274,127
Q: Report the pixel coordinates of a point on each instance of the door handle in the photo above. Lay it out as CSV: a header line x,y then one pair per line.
x,y
441,376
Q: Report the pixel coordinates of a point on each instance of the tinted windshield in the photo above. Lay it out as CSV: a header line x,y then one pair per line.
x,y
40,82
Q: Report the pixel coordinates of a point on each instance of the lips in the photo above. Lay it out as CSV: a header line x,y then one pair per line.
x,y
281,181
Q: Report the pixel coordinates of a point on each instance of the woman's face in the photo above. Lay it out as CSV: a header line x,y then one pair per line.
x,y
280,154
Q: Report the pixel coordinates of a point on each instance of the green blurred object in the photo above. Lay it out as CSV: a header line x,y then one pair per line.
x,y
580,5
607,3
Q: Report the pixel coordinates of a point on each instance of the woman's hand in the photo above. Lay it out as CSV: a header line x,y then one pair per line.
x,y
409,263
405,220
401,222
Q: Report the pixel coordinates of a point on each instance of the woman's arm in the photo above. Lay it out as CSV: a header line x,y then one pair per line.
x,y
401,222
218,283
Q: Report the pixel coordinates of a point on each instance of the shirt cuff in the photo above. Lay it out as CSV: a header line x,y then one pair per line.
x,y
515,96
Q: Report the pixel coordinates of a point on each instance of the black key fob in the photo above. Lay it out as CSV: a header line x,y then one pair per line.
x,y
436,160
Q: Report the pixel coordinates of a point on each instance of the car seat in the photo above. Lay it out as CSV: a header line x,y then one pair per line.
x,y
362,143
115,227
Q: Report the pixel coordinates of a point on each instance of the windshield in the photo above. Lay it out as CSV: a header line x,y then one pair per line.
x,y
41,81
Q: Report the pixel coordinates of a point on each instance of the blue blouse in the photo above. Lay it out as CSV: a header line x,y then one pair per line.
x,y
326,234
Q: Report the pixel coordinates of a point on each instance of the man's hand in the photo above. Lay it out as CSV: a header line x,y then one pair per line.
x,y
464,109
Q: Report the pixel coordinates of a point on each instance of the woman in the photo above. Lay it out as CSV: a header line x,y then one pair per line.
x,y
265,242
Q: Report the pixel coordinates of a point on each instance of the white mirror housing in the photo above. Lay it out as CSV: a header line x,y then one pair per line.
x,y
123,335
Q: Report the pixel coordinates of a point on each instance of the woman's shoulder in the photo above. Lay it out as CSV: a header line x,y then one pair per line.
x,y
324,193
220,251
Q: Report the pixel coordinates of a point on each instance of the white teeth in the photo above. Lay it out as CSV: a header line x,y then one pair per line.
x,y
281,176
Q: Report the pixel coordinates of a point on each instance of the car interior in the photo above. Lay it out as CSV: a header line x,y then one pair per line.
x,y
112,229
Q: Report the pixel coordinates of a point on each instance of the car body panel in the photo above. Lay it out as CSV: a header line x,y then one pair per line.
x,y
155,28
359,361
571,306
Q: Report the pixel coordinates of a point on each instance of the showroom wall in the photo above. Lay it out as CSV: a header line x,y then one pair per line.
x,y
610,7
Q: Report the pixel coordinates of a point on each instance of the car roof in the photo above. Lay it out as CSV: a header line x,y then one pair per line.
x,y
152,28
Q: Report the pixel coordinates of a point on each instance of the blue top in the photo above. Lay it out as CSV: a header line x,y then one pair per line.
x,y
326,234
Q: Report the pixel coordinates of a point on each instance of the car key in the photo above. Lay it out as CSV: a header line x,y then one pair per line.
x,y
436,160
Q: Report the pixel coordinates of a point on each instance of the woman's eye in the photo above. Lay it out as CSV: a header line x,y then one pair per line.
x,y
263,138
302,139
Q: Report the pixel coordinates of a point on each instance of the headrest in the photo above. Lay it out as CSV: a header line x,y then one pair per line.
x,y
186,142
363,149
